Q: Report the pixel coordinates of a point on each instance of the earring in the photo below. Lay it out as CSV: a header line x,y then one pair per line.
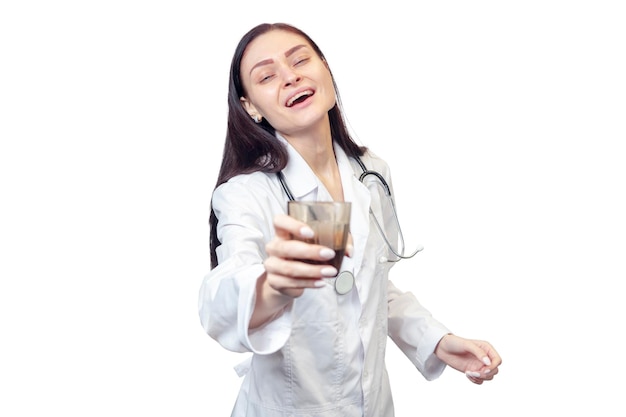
x,y
257,118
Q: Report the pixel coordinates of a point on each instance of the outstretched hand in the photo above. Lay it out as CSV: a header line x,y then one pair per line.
x,y
286,273
476,358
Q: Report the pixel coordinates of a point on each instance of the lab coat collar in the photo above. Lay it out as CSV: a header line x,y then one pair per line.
x,y
298,175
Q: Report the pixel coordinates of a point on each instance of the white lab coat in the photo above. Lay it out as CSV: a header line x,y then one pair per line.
x,y
324,355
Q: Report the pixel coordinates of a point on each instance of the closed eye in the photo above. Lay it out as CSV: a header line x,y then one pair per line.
x,y
301,61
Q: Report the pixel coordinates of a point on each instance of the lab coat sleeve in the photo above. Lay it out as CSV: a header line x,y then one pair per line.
x,y
411,326
414,330
227,293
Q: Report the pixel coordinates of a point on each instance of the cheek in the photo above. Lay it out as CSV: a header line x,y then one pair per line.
x,y
329,90
265,100
332,99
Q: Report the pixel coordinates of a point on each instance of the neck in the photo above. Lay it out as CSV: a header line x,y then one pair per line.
x,y
316,148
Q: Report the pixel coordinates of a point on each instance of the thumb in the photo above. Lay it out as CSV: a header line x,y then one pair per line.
x,y
479,352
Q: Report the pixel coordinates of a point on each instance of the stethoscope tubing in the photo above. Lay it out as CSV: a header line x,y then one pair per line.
x,y
400,252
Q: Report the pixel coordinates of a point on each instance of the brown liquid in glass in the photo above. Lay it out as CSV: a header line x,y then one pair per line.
x,y
334,236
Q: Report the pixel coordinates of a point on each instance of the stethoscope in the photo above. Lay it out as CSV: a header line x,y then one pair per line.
x,y
345,280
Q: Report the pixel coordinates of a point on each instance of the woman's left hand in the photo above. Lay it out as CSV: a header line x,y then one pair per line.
x,y
476,358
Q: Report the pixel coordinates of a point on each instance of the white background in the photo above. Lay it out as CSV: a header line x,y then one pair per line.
x,y
504,125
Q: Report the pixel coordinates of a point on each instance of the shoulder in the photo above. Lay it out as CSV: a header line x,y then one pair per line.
x,y
373,162
248,192
253,180
256,183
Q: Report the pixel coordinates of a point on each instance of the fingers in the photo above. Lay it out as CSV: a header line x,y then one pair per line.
x,y
293,241
297,269
496,360
291,277
292,287
482,351
286,227
294,263
474,377
491,360
308,255
478,377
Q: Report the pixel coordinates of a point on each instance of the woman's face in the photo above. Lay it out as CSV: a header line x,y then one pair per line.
x,y
286,82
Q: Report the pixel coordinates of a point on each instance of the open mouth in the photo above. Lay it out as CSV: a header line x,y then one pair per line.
x,y
299,97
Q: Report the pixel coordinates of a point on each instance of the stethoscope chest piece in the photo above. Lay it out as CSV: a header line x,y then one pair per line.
x,y
344,282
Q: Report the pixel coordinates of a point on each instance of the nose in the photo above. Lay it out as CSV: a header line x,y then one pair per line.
x,y
290,77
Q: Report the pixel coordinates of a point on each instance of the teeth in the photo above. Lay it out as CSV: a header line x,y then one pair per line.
x,y
297,96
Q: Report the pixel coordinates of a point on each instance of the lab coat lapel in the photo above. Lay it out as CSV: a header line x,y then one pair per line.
x,y
298,175
355,192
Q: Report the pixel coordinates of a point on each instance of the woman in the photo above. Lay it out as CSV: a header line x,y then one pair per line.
x,y
315,351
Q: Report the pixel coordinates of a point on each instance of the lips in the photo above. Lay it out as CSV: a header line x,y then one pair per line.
x,y
299,97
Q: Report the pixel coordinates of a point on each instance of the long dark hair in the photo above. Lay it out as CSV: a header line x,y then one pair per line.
x,y
251,147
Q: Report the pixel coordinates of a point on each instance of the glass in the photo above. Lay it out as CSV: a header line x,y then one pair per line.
x,y
330,220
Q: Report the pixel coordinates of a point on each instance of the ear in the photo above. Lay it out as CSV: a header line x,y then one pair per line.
x,y
249,107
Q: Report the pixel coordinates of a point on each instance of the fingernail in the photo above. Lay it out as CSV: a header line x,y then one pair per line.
x,y
487,371
329,271
473,373
349,250
307,232
319,283
327,253
486,361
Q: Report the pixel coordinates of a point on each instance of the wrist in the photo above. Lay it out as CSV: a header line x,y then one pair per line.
x,y
441,345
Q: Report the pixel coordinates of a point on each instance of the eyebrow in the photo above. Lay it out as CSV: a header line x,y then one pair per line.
x,y
289,52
